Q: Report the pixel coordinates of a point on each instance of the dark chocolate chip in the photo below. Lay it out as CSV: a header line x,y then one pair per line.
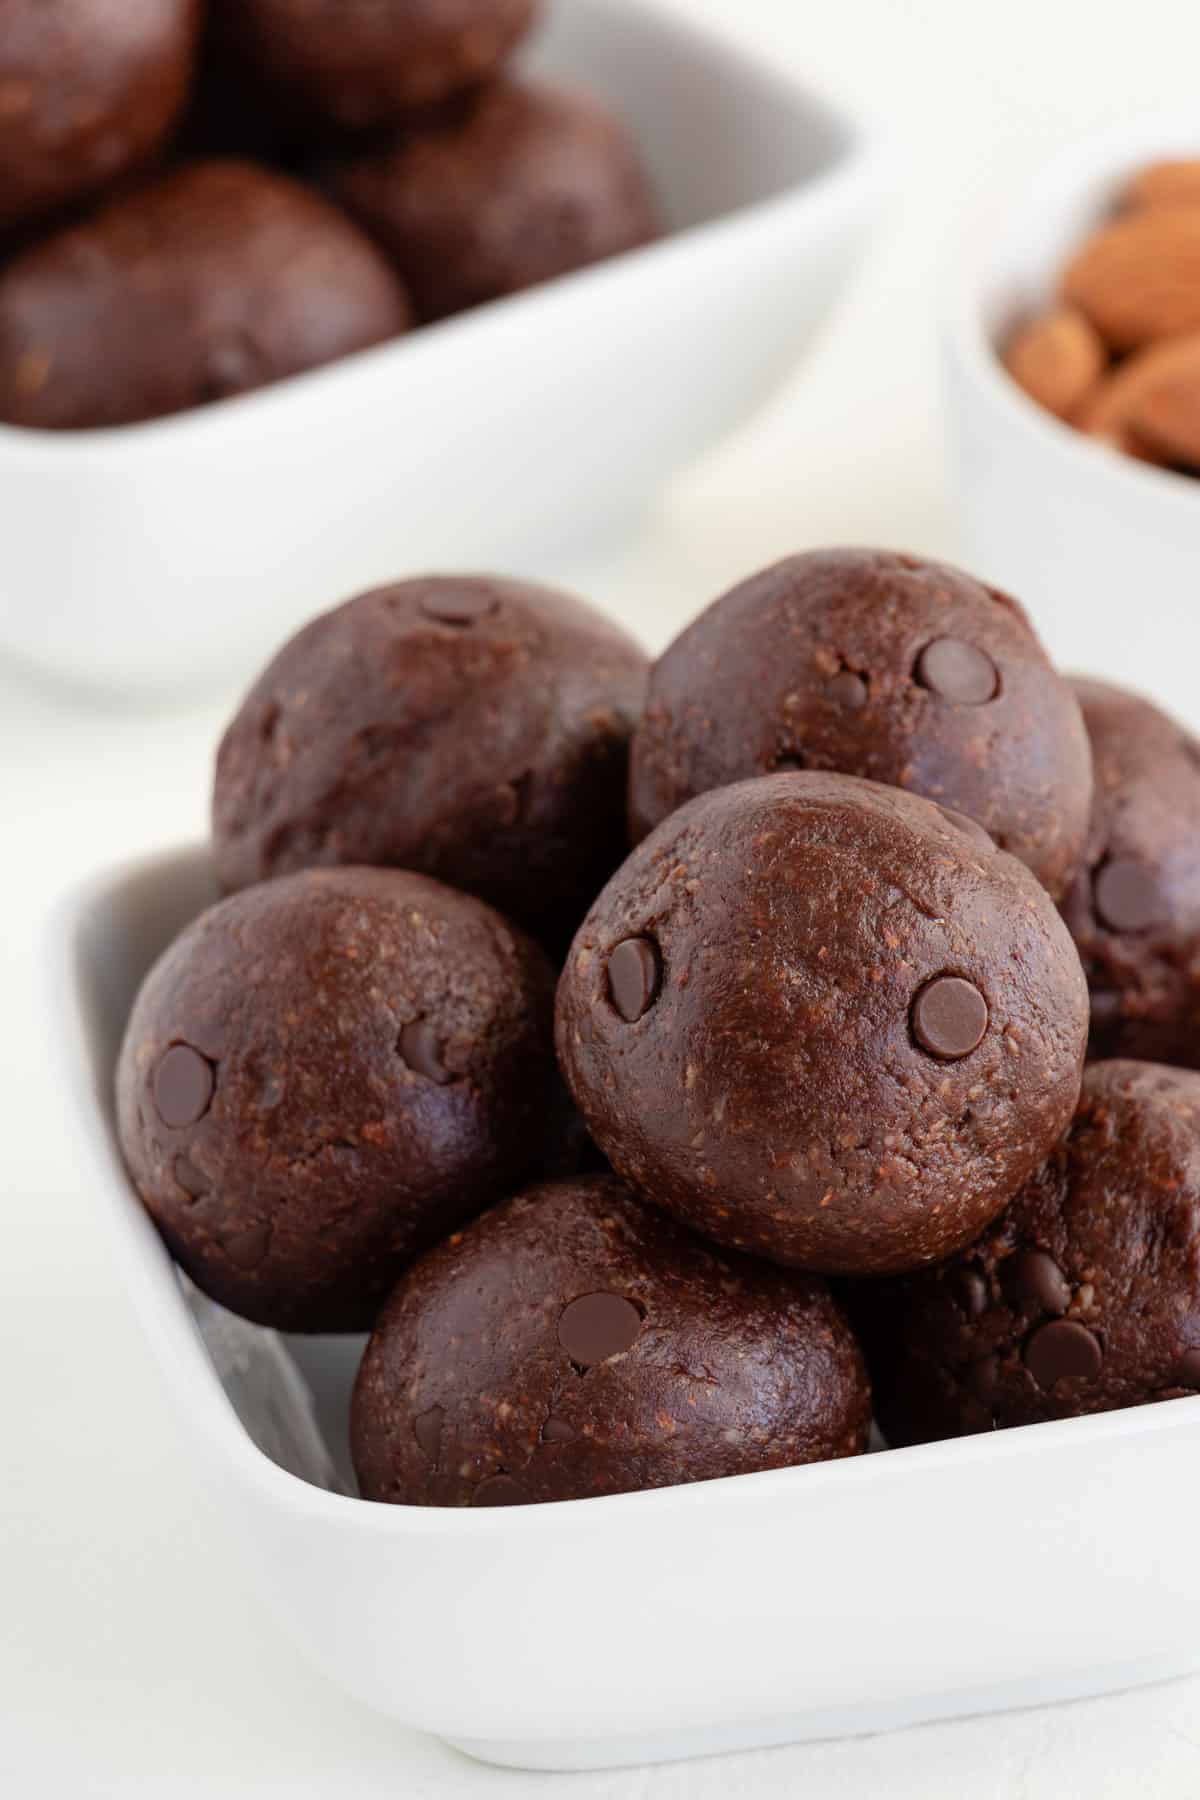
x,y
557,1431
971,1291
969,827
419,1046
848,690
597,1326
183,1086
982,1378
462,606
1061,1351
1032,1279
1127,895
949,1017
427,1429
1187,1370
958,672
499,1490
634,975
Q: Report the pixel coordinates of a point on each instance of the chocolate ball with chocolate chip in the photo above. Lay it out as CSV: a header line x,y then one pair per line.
x,y
519,185
89,90
1082,1297
824,1021
574,1343
475,729
359,65
881,665
325,1074
1134,910
202,284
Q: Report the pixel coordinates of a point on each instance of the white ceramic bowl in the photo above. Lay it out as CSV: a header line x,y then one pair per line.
x,y
1104,550
1023,1566
160,555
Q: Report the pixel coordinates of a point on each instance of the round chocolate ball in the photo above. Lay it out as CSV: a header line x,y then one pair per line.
x,y
518,186
325,1074
358,65
1134,910
824,1021
573,1343
475,729
89,89
1082,1297
204,283
880,665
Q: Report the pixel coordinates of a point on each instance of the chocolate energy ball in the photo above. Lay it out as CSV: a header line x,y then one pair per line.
x,y
1082,1297
475,729
880,665
325,1074
210,281
825,1021
572,1343
89,89
519,185
1134,910
360,64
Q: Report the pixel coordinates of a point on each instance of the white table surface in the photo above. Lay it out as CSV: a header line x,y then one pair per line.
x,y
131,1660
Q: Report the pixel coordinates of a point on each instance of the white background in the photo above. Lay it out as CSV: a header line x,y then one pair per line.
x,y
131,1661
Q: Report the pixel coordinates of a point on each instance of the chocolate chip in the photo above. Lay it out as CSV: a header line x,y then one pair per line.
x,y
971,1291
187,1176
499,1490
1061,1351
1032,1279
969,827
949,1017
597,1326
557,1431
634,976
419,1046
183,1086
848,690
1187,1370
1127,895
427,1429
982,1378
460,606
958,672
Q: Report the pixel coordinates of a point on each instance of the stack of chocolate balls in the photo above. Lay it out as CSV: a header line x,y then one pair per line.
x,y
827,1022
198,197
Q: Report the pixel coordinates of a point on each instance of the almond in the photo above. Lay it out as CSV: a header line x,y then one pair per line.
x,y
1150,407
1057,358
1139,278
1171,183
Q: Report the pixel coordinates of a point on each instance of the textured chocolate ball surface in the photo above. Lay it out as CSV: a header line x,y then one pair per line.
x,y
822,1020
203,283
357,65
574,1343
518,186
89,89
881,665
477,730
1134,910
325,1074
1083,1296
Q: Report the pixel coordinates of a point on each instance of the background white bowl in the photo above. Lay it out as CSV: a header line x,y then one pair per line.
x,y
163,554
1105,551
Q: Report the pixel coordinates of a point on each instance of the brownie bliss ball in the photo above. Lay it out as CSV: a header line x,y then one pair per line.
x,y
88,90
572,1343
518,185
824,1021
1083,1296
1134,911
325,1074
477,730
874,664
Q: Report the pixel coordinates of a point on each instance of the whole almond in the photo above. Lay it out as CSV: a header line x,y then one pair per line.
x,y
1150,407
1174,182
1138,279
1058,357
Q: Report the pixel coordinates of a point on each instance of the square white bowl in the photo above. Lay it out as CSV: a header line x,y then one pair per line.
x,y
1104,550
1025,1566
161,555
